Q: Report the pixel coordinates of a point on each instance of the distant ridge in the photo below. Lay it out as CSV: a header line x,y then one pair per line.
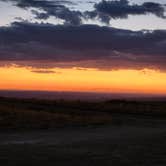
x,y
54,95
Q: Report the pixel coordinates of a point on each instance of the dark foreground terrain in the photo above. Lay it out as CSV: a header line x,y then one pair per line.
x,y
88,146
102,134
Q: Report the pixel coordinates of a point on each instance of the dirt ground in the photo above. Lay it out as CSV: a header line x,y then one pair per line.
x,y
129,141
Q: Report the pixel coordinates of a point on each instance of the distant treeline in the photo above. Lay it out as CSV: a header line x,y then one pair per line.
x,y
85,107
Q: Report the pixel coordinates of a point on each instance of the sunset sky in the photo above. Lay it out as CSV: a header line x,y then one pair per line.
x,y
88,46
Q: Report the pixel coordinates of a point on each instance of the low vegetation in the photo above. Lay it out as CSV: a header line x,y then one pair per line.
x,y
33,113
28,114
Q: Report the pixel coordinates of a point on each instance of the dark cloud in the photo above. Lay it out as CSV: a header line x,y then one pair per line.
x,y
38,3
81,46
54,8
40,15
106,10
62,12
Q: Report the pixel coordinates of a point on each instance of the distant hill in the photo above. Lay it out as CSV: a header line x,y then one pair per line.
x,y
85,96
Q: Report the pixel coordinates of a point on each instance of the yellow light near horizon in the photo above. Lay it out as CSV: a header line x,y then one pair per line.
x,y
74,79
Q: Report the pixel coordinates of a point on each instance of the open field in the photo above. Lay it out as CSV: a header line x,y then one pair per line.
x,y
35,132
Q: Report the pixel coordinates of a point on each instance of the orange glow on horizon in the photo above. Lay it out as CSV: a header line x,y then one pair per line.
x,y
73,79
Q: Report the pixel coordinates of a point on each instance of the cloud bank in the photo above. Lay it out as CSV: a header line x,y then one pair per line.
x,y
47,45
